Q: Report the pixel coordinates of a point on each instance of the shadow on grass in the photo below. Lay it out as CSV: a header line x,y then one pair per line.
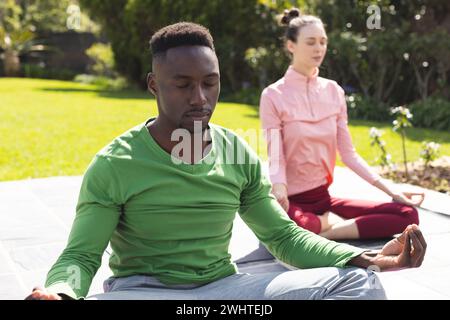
x,y
252,115
421,134
414,134
105,93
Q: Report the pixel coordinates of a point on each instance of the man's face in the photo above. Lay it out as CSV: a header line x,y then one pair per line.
x,y
186,83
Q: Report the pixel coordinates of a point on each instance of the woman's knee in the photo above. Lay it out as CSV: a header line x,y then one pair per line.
x,y
306,220
411,214
414,216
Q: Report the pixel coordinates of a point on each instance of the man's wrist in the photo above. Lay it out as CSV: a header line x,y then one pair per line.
x,y
65,296
364,260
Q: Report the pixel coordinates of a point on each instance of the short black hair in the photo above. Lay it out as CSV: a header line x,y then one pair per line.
x,y
180,34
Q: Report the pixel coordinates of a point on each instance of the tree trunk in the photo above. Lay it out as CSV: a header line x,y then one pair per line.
x,y
11,63
362,85
394,80
422,82
379,90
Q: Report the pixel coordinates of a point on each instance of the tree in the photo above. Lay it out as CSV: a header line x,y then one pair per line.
x,y
236,25
13,36
429,57
21,21
374,61
408,52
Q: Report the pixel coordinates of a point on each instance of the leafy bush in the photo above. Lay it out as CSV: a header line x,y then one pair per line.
x,y
103,82
103,58
249,96
361,107
385,159
404,60
236,25
429,152
37,71
402,121
434,112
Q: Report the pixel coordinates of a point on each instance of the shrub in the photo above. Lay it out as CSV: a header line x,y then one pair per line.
x,y
433,112
402,121
103,58
249,96
104,83
37,71
375,140
429,152
361,107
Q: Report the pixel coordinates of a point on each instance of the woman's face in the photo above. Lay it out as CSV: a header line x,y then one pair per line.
x,y
311,46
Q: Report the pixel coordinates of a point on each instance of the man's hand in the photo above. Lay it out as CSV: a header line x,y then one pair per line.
x,y
279,190
42,294
406,251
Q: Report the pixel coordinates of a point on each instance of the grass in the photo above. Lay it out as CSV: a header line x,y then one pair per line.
x,y
53,128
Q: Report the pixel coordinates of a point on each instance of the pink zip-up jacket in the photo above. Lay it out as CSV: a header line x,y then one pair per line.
x,y
305,124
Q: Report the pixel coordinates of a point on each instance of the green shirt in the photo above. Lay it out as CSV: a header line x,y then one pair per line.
x,y
174,221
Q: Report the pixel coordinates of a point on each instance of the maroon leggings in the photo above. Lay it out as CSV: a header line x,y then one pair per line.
x,y
373,219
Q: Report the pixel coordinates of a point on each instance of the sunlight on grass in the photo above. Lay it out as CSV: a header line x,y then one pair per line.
x,y
52,128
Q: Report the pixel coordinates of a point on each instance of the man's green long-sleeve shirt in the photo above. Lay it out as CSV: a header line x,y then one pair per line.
x,y
174,220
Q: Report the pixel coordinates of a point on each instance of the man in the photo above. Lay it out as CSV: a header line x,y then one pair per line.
x,y
168,211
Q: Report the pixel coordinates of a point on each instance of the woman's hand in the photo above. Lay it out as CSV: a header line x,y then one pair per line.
x,y
42,294
407,198
399,196
279,190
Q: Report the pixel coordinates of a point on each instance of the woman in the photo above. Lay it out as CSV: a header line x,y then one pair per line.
x,y
308,115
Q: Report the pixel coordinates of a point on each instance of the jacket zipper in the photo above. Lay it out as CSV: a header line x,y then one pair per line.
x,y
307,99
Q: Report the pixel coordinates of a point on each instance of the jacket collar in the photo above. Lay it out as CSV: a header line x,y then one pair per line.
x,y
292,74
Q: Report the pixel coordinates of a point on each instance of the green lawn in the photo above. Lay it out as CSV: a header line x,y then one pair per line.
x,y
51,128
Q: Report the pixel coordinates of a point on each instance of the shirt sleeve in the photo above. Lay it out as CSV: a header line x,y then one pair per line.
x,y
289,243
346,150
272,128
97,215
